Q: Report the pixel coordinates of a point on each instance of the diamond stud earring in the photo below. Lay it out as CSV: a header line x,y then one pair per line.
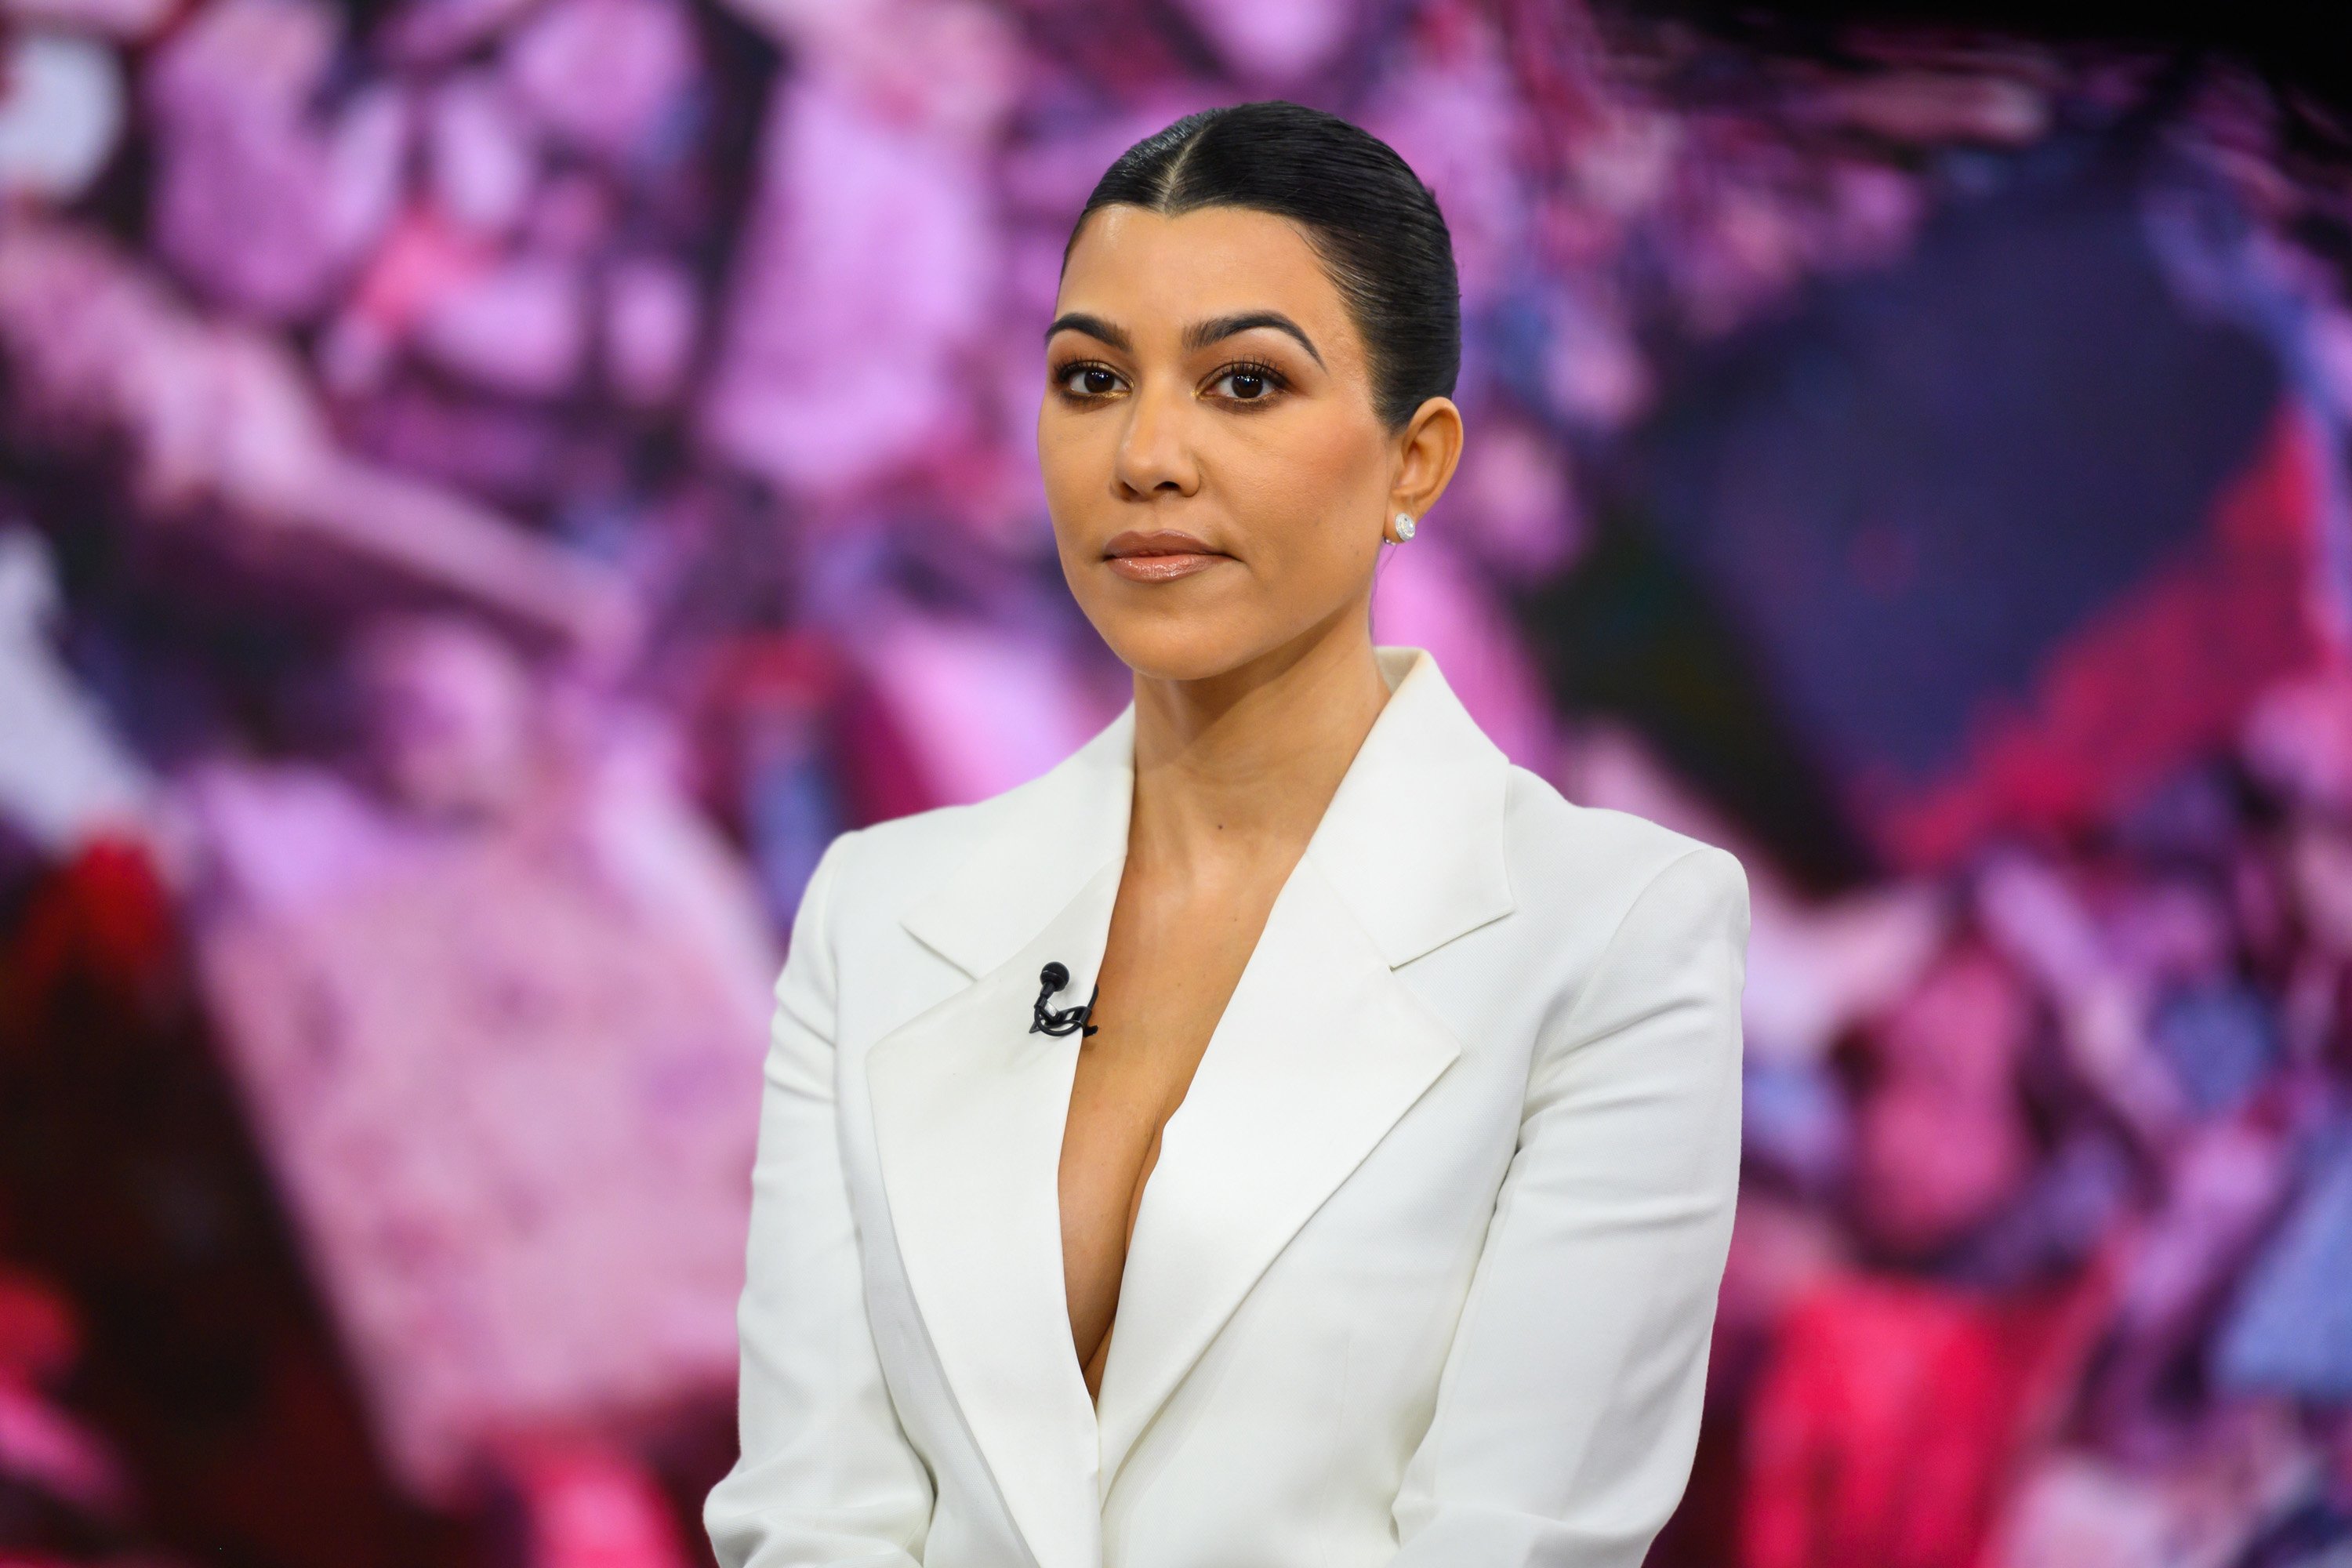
x,y
1403,526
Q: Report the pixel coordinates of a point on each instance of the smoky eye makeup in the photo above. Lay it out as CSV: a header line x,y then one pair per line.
x,y
1254,382
1243,383
1086,380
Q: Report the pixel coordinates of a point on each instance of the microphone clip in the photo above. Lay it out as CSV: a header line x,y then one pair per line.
x,y
1060,1020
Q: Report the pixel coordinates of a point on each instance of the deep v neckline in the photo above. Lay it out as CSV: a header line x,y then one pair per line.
x,y
1092,1368
1096,1282
1106,1091
1321,1050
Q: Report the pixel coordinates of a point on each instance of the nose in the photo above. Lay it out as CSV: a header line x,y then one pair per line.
x,y
1155,454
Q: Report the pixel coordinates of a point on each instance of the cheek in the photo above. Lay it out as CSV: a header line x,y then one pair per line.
x,y
1074,463
1054,451
1307,496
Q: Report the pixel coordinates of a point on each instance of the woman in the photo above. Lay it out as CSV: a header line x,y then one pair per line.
x,y
1285,1134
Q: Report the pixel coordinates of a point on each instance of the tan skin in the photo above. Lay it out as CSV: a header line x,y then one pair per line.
x,y
1176,400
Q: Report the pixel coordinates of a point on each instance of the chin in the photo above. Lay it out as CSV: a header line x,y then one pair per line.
x,y
1183,646
1203,629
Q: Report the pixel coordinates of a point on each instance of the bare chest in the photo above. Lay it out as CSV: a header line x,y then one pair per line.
x,y
1170,967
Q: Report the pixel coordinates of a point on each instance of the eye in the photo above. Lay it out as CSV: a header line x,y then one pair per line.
x,y
1248,382
1086,378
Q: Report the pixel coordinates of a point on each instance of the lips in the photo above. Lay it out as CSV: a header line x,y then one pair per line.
x,y
1160,555
1156,542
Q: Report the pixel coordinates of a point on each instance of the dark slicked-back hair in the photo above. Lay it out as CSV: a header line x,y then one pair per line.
x,y
1374,223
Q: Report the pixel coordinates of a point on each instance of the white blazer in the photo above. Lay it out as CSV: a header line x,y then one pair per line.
x,y
1425,1275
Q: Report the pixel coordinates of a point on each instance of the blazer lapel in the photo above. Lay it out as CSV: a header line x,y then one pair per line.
x,y
1321,1049
1317,1055
969,1109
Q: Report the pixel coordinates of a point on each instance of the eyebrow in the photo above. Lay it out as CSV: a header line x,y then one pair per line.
x,y
1199,335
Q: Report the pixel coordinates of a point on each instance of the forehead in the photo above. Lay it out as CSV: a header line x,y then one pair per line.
x,y
1147,270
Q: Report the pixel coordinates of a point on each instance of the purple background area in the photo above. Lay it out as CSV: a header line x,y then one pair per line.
x,y
489,487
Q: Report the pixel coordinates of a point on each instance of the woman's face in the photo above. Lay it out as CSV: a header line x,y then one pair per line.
x,y
1218,478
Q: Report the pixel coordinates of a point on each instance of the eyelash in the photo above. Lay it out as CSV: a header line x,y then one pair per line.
x,y
1256,369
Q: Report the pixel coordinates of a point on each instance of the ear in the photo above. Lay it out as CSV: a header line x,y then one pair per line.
x,y
1427,449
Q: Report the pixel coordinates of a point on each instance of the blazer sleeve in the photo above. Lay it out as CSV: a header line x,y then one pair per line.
x,y
1568,1411
826,1476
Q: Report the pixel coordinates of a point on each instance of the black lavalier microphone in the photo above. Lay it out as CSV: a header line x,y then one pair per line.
x,y
1061,1020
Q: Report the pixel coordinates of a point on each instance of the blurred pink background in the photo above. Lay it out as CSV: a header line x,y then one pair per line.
x,y
489,488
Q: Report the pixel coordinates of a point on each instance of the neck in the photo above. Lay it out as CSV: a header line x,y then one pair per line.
x,y
1243,763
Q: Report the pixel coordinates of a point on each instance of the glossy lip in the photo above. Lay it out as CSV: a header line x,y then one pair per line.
x,y
1158,555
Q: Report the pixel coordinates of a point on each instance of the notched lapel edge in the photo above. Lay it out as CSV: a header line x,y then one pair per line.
x,y
1415,840
1046,838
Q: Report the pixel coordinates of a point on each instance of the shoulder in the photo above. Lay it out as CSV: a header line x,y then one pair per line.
x,y
1649,925
882,867
1598,863
888,863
